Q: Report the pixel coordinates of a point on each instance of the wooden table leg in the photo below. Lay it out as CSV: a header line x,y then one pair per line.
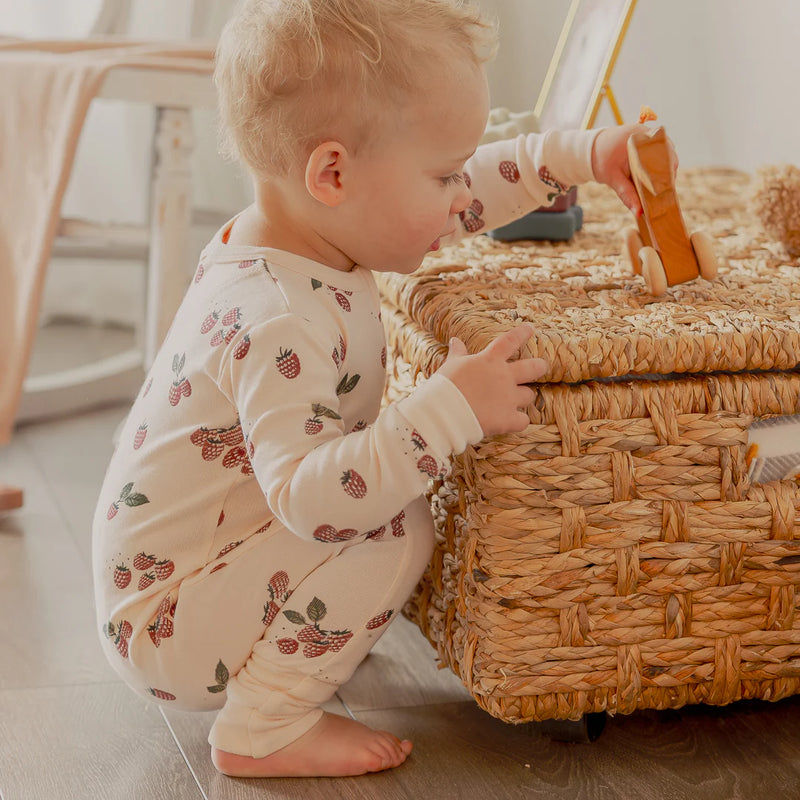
x,y
10,497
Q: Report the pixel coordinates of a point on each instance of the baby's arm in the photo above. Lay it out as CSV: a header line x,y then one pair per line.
x,y
326,483
510,178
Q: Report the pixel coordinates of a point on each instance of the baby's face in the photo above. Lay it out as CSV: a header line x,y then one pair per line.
x,y
409,185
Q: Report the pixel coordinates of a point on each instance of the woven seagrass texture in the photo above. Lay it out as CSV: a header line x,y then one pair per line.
x,y
614,554
594,319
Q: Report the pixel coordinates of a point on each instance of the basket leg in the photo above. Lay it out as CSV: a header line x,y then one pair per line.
x,y
586,729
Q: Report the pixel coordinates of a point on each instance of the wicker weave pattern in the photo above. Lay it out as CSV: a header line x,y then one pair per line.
x,y
613,555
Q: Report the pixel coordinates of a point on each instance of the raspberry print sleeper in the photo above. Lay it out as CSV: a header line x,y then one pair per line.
x,y
261,521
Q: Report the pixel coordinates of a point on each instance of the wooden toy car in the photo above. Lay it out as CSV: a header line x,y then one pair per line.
x,y
661,250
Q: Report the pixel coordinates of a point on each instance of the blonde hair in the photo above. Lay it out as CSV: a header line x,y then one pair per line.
x,y
291,73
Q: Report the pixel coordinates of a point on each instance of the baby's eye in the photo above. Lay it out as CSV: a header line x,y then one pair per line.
x,y
452,180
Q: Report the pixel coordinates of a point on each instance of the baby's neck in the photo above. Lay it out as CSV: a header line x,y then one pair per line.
x,y
257,227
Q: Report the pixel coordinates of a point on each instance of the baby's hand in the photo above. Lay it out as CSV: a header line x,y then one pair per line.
x,y
610,163
492,383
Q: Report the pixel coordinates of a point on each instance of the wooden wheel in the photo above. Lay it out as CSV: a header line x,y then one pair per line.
x,y
633,244
703,246
653,271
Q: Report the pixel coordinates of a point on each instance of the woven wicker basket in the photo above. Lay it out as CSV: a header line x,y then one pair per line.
x,y
615,555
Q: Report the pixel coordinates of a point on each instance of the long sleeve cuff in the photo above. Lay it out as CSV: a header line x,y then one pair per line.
x,y
441,414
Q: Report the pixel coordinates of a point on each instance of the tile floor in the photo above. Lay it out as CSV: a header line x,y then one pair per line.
x,y
70,729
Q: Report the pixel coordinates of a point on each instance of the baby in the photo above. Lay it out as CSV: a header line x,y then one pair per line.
x,y
262,520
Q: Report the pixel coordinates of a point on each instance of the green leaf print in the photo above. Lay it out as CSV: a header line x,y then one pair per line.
x,y
316,610
221,675
294,617
136,499
347,384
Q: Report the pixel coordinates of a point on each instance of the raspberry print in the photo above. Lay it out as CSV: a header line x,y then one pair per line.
x,y
383,357
316,640
201,270
212,450
471,217
310,633
242,349
217,339
313,425
376,533
231,317
122,576
510,171
428,465
143,561
278,588
353,484
231,436
336,640
467,179
139,437
327,533
288,363
315,649
342,301
234,457
213,442
397,524
418,442
147,387
161,694
221,519
287,646
164,569
120,634
228,547
209,322
146,579
221,676
127,497
163,626
359,426
380,619
342,349
180,385
547,178
252,262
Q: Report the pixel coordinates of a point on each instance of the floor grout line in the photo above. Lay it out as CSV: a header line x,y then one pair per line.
x,y
183,754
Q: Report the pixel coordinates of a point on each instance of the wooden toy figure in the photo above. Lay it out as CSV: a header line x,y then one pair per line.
x,y
661,250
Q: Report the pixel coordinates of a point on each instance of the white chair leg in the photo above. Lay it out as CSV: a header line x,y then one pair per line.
x,y
170,217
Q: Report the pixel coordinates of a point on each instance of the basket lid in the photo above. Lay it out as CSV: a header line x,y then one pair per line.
x,y
594,318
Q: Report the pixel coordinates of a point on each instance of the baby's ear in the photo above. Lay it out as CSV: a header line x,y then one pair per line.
x,y
325,173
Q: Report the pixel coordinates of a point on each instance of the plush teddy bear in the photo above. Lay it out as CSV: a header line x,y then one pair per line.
x,y
776,203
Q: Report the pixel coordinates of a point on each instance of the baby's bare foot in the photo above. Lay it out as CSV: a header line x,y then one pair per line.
x,y
334,747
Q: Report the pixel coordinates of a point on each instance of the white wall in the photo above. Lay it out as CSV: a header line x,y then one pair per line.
x,y
722,74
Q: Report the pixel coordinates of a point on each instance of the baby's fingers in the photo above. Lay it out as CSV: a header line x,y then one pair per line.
x,y
529,370
509,343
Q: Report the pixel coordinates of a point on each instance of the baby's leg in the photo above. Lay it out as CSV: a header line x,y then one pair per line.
x,y
272,723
